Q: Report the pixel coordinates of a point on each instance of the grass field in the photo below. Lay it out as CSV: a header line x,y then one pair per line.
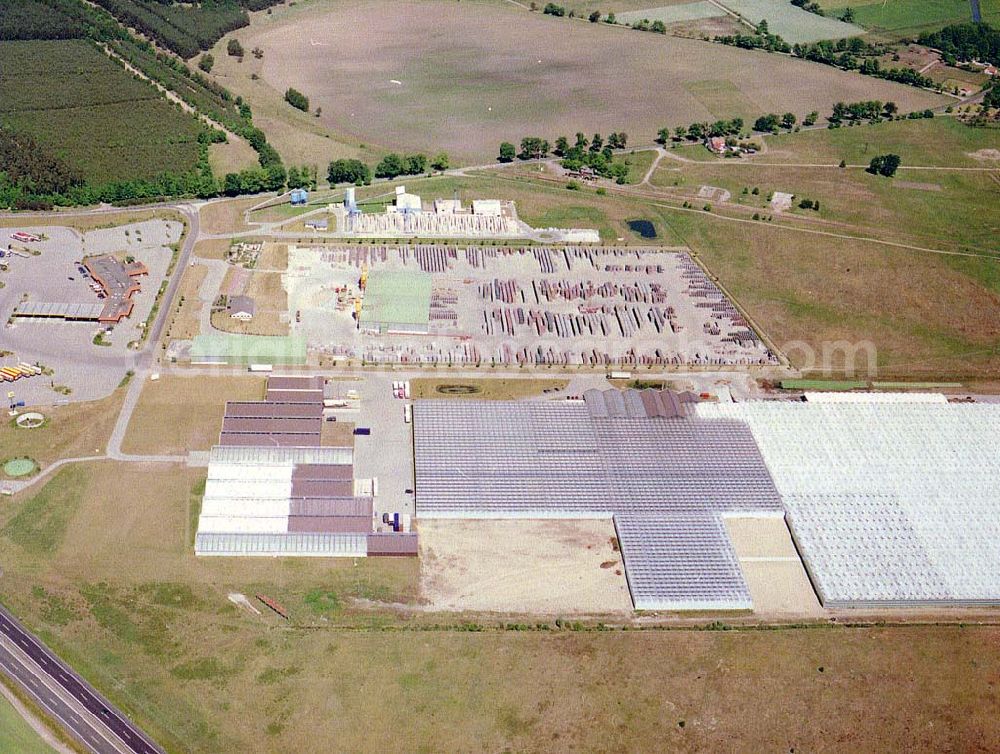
x,y
185,322
483,389
816,291
925,208
494,72
226,216
151,626
910,18
16,735
71,98
178,414
231,157
940,142
77,429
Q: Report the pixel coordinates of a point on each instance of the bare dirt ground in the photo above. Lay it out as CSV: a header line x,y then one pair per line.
x,y
215,248
546,567
771,566
464,77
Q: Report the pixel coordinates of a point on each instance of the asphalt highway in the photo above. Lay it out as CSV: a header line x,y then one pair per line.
x,y
86,715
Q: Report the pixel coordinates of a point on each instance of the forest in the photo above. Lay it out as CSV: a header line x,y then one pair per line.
x,y
61,103
966,42
182,28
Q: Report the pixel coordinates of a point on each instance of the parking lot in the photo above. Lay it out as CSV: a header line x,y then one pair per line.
x,y
48,271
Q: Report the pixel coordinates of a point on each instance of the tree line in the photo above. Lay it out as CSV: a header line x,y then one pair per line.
x,y
390,166
965,43
185,29
855,54
595,153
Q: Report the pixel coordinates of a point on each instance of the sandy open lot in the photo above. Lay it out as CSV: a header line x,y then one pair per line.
x,y
546,567
465,76
772,568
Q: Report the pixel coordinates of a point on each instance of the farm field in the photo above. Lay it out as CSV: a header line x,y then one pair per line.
x,y
494,72
151,626
178,414
671,14
791,23
71,97
910,18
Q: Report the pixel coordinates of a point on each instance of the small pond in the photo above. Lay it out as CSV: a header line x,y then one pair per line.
x,y
644,228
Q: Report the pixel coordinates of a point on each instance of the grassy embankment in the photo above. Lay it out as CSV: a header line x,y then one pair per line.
x,y
151,626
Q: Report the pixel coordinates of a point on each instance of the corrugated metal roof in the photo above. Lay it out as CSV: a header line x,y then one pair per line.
x,y
277,440
322,487
295,396
275,410
321,471
291,544
402,543
270,425
338,506
295,382
360,524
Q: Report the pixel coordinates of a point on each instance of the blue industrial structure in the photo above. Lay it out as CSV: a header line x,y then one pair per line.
x,y
299,197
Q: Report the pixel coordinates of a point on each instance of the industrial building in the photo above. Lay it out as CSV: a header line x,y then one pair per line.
x,y
891,499
117,282
242,308
666,477
407,216
277,488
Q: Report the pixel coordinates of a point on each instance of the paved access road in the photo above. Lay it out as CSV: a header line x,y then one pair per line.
x,y
88,716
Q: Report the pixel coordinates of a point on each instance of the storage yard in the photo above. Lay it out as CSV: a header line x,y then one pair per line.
x,y
438,304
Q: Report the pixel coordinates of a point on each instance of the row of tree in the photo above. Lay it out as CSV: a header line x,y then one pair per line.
x,y
857,55
391,166
760,39
535,147
701,131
